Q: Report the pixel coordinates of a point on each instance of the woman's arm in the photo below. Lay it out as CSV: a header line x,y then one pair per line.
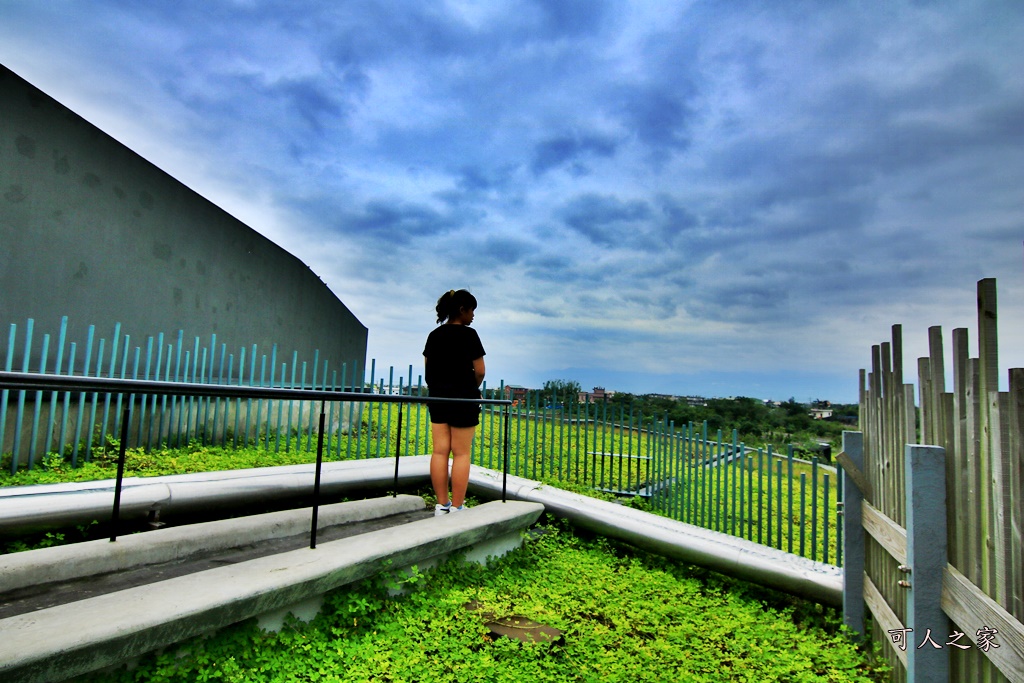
x,y
479,370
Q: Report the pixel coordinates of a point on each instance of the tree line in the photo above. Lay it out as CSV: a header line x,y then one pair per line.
x,y
757,422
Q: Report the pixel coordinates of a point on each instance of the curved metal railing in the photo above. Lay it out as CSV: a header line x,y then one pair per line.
x,y
25,381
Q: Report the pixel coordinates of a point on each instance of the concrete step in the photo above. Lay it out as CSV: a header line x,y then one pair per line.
x,y
57,643
65,563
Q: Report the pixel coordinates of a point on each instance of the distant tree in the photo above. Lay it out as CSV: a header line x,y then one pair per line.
x,y
563,390
791,407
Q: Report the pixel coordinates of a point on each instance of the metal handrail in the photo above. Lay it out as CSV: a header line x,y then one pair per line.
x,y
30,381
27,381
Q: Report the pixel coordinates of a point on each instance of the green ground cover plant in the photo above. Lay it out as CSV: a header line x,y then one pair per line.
x,y
625,616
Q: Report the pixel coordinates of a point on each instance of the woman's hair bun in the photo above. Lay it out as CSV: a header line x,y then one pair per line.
x,y
453,301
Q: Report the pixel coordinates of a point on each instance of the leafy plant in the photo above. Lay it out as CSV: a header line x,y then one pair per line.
x,y
625,616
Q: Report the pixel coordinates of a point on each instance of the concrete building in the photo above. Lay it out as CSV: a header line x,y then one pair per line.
x,y
91,230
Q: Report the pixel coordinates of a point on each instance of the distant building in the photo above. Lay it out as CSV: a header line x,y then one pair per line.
x,y
821,410
598,394
515,393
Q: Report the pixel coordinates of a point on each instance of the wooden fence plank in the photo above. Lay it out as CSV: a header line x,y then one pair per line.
x,y
973,565
959,421
977,613
924,381
1015,474
937,366
1000,490
988,336
888,533
854,472
883,615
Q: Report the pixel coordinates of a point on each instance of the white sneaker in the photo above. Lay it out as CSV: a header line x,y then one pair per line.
x,y
440,510
457,509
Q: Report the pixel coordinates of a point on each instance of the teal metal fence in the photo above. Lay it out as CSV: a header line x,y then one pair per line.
x,y
680,471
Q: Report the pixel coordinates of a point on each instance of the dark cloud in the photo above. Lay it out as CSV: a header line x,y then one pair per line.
x,y
571,17
312,102
571,151
498,251
482,179
747,303
605,220
550,268
399,222
658,117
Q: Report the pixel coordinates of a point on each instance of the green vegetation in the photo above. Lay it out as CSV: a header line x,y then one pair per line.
x,y
625,616
758,423
195,457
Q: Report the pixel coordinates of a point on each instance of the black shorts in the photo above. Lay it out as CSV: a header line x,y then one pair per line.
x,y
454,414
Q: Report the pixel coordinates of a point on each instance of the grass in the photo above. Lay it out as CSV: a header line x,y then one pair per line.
x,y
625,616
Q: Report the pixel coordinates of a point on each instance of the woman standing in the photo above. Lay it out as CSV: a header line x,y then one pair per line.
x,y
454,367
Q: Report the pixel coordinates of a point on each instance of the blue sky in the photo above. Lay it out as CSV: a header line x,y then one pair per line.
x,y
718,198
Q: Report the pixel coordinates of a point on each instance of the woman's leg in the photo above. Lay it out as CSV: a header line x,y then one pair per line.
x,y
461,445
441,435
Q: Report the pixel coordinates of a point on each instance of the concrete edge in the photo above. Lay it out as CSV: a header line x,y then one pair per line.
x,y
77,560
35,508
69,640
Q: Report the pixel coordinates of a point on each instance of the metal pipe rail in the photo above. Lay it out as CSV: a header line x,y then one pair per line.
x,y
27,381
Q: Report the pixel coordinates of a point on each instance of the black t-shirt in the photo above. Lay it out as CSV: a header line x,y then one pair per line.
x,y
450,352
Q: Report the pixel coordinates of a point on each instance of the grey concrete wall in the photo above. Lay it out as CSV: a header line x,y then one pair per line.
x,y
91,230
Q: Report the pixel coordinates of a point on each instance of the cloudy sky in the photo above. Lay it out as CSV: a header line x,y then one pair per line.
x,y
718,198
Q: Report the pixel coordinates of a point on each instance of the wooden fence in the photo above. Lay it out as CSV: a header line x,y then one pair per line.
x,y
949,606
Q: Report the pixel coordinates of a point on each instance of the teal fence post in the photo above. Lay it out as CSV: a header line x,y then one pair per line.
x,y
760,496
770,516
778,508
34,434
814,508
291,385
789,484
67,402
19,416
61,340
5,394
271,403
926,561
825,517
81,397
853,538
